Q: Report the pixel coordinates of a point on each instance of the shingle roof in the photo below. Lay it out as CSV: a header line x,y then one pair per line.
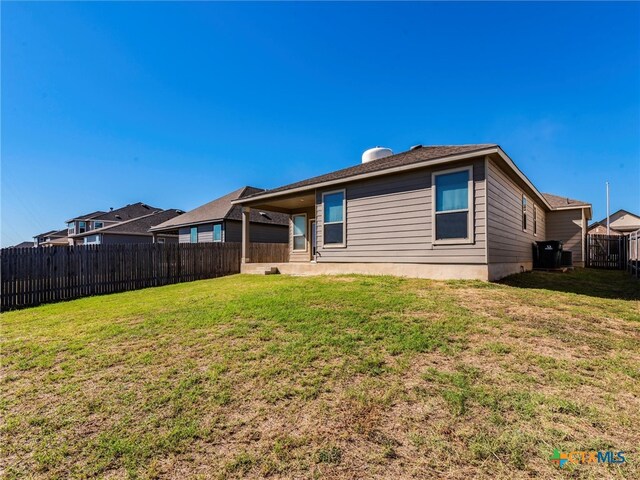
x,y
409,157
127,212
23,245
140,225
87,216
60,233
558,202
45,234
221,209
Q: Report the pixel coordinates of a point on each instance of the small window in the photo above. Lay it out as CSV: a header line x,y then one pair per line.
x,y
333,218
161,240
82,227
524,213
299,232
72,228
98,225
217,232
452,212
194,235
535,220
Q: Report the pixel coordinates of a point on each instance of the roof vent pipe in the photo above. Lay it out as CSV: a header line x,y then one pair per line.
x,y
376,154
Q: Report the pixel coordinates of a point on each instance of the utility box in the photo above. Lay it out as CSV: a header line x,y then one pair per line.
x,y
566,259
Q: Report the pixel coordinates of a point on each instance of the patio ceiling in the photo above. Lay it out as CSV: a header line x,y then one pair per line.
x,y
284,204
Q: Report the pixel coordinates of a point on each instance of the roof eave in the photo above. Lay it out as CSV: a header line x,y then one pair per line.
x,y
159,228
364,176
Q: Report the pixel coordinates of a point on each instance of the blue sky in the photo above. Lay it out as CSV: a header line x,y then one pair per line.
x,y
105,104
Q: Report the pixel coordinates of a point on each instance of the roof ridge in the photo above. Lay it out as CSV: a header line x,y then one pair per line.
x,y
124,222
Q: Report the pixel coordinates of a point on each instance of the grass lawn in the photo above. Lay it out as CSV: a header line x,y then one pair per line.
x,y
326,377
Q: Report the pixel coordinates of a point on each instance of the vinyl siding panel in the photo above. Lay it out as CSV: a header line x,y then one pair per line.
x,y
508,243
389,219
567,226
205,234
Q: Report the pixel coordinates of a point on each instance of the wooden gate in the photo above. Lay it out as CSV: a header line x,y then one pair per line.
x,y
607,251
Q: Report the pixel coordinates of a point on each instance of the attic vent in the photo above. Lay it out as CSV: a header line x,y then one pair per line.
x,y
265,215
118,216
416,147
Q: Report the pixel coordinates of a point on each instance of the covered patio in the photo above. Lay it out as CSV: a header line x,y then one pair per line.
x,y
301,208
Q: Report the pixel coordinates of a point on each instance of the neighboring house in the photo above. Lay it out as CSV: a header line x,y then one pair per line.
x,y
621,222
81,224
434,212
52,238
220,221
80,227
23,245
135,230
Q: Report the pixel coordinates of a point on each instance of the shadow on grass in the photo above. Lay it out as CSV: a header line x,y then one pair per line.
x,y
613,284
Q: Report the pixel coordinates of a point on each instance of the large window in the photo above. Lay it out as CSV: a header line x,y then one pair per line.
x,y
82,227
97,225
453,202
217,232
524,213
71,228
194,235
299,232
333,228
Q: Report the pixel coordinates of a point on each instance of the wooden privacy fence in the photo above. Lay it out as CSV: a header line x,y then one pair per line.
x,y
268,252
32,276
633,248
607,251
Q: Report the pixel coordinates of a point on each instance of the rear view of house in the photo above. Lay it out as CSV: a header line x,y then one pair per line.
x,y
442,212
135,230
85,226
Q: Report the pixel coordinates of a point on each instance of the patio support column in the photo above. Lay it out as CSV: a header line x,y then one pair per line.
x,y
246,216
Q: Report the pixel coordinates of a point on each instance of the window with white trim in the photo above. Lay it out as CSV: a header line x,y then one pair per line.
x,y
333,218
194,235
217,232
524,213
97,225
82,227
299,225
71,228
453,205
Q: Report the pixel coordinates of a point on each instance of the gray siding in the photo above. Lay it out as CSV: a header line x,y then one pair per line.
x,y
567,226
258,232
508,243
205,233
389,220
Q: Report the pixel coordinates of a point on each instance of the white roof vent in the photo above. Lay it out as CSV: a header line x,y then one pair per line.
x,y
376,154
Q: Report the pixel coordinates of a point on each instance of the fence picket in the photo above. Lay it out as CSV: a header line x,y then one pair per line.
x,y
32,276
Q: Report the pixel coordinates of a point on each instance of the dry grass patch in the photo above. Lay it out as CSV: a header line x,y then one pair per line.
x,y
347,377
